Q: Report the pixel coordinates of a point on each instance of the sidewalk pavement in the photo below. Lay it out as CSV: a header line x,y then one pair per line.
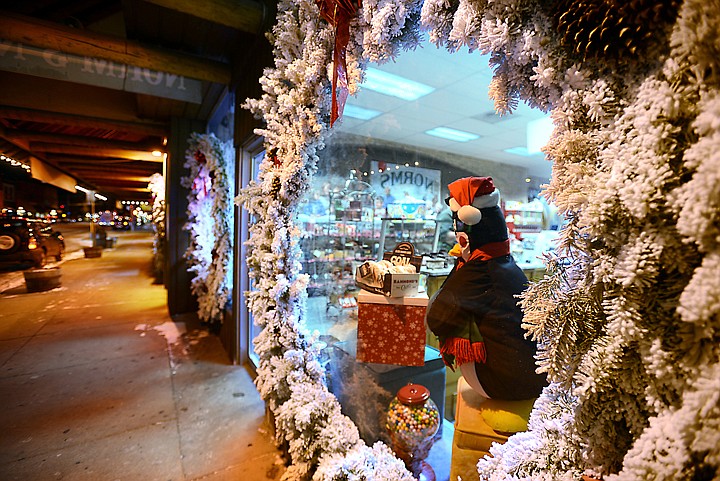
x,y
98,383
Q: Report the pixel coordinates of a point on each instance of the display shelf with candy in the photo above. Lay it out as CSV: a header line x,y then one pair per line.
x,y
524,217
422,233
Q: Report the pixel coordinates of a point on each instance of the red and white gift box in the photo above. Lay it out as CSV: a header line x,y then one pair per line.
x,y
391,330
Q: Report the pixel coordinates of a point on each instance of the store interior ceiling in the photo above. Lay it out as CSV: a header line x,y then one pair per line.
x,y
103,135
452,113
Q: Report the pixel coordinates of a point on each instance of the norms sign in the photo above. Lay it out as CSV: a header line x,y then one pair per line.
x,y
47,63
406,183
407,176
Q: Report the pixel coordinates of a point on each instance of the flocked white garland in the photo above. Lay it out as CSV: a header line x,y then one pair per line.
x,y
157,188
636,172
210,183
321,441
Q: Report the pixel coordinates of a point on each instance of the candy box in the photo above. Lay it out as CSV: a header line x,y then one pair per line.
x,y
370,277
402,285
391,330
391,284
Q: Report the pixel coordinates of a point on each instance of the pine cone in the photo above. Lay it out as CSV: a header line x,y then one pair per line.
x,y
275,187
611,28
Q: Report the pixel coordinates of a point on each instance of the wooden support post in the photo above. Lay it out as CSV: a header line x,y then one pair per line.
x,y
177,277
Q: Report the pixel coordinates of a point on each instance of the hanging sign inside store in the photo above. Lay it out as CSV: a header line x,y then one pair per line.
x,y
403,184
47,63
407,191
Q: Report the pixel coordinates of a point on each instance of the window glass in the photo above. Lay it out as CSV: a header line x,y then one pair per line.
x,y
416,125
253,329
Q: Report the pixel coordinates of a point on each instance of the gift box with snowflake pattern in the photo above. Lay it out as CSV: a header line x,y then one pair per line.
x,y
391,330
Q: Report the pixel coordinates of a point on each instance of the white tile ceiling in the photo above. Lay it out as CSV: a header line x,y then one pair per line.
x,y
459,101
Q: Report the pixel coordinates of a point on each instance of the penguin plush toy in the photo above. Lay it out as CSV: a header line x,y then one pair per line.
x,y
475,314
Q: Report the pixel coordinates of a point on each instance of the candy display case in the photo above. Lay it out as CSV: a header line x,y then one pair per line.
x,y
340,233
412,421
365,390
422,233
524,217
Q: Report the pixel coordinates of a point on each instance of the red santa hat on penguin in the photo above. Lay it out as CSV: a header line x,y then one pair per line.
x,y
470,194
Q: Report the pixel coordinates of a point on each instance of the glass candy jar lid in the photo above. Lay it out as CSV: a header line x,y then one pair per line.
x,y
413,394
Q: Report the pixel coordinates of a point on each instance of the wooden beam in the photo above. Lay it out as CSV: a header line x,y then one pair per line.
x,y
120,181
131,189
47,137
94,151
108,163
244,15
49,35
145,168
132,180
94,175
32,115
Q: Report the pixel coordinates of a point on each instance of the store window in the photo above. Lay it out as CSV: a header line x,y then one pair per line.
x,y
254,155
416,125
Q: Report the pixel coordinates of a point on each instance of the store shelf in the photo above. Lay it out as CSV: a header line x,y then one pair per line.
x,y
524,216
422,233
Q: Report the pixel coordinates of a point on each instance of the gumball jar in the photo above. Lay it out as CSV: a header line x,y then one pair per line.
x,y
412,422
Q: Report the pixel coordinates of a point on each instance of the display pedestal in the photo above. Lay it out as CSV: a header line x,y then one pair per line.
x,y
475,432
427,473
391,330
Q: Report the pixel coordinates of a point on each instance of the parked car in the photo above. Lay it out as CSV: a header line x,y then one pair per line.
x,y
122,223
29,241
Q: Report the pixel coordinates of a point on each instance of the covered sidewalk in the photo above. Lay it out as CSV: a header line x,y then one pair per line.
x,y
98,383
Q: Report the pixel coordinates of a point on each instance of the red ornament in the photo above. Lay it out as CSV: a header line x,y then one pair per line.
x,y
274,159
200,157
276,185
338,13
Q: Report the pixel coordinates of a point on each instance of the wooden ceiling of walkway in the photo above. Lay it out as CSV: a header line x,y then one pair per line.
x,y
100,132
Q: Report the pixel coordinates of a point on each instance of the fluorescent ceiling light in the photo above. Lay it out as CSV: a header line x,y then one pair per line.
x,y
100,196
81,189
452,134
360,113
389,84
522,151
538,134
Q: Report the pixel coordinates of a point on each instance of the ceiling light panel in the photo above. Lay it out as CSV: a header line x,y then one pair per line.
x,y
452,134
360,113
521,151
394,85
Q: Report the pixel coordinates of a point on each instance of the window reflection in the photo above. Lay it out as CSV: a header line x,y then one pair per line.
x,y
253,330
382,180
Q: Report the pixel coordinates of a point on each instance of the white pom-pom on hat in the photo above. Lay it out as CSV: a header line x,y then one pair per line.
x,y
469,214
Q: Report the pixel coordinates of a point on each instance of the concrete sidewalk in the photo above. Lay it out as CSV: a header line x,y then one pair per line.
x,y
98,383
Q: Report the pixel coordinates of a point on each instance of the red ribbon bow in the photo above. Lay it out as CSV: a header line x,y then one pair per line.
x,y
338,13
